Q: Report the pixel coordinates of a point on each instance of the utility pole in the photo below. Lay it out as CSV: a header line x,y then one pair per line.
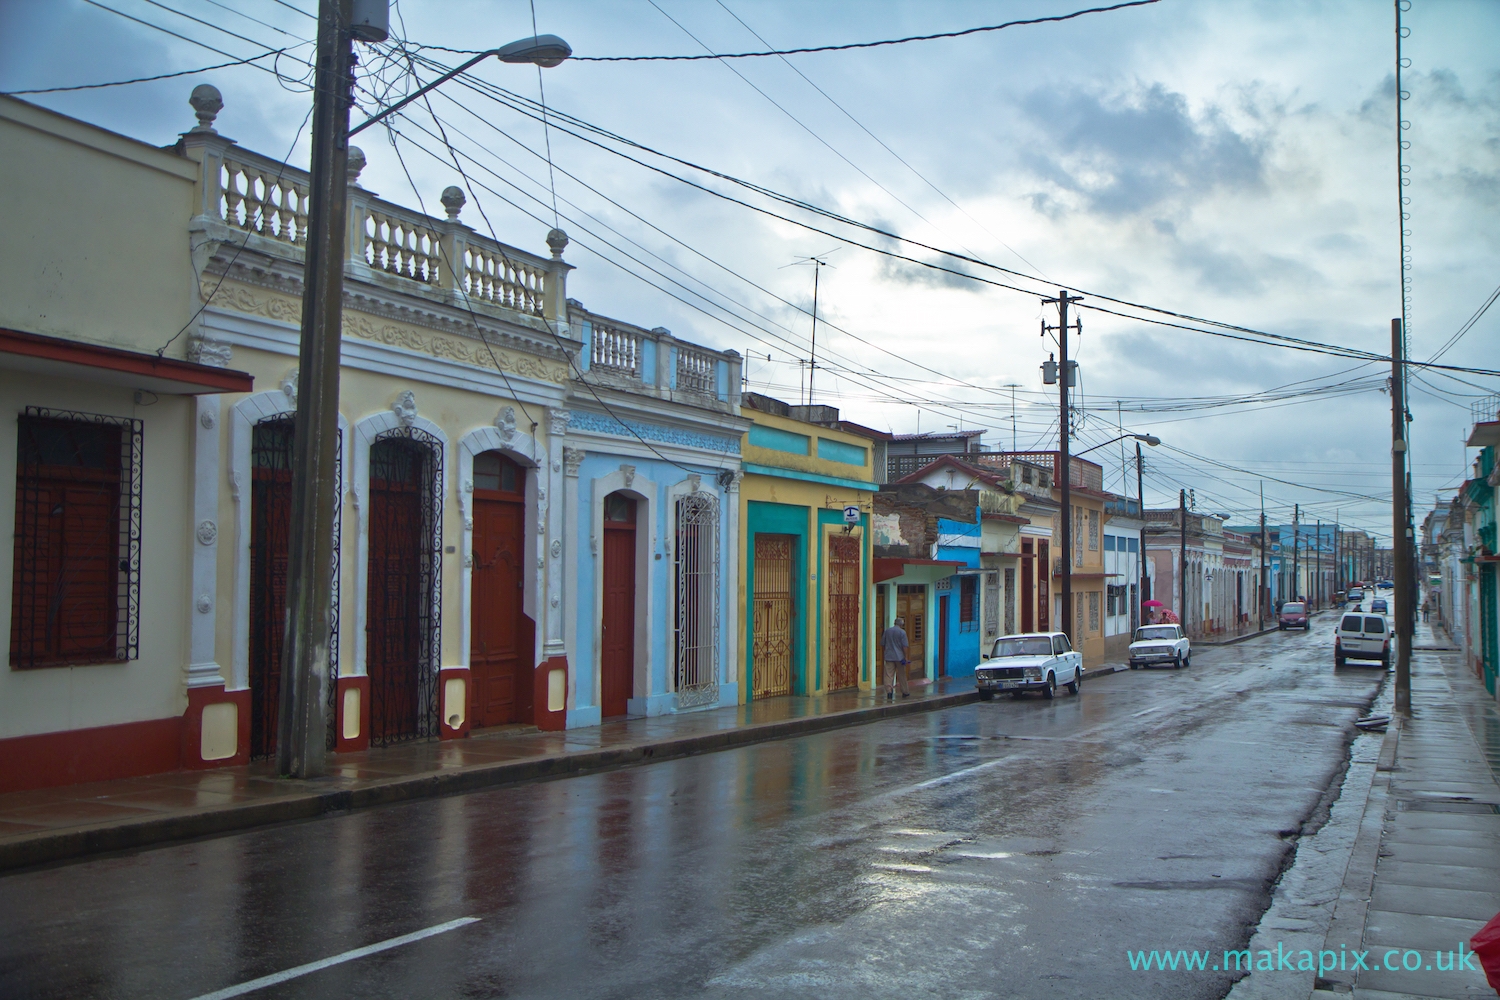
x,y
1140,565
301,727
1296,552
1012,386
1263,597
1064,470
812,366
1401,533
1318,589
1182,556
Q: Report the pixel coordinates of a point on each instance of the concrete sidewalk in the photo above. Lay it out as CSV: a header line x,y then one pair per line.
x,y
56,824
1424,872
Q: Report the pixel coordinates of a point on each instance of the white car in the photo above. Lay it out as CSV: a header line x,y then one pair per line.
x,y
1362,637
1160,645
1034,661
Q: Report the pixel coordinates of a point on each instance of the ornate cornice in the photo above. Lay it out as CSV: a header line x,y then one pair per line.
x,y
276,304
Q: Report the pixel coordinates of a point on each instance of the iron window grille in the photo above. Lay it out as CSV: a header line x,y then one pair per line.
x,y
968,603
421,721
75,586
1010,602
696,678
991,603
1093,612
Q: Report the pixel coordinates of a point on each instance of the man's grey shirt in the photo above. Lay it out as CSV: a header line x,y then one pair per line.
x,y
894,641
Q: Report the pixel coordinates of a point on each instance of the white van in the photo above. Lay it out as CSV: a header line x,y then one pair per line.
x,y
1362,637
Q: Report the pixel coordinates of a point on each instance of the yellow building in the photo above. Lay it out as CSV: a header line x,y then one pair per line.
x,y
808,626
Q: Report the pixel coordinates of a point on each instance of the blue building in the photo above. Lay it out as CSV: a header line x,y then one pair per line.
x,y
651,458
957,597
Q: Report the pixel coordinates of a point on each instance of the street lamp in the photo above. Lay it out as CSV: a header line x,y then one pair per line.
x,y
541,50
1150,439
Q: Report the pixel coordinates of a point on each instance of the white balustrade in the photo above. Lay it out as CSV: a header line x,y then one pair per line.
x,y
505,278
697,371
616,350
402,246
267,200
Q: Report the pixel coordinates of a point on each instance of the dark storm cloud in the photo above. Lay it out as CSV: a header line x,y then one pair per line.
x,y
1126,153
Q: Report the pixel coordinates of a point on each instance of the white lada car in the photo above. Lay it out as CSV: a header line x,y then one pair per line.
x,y
1160,645
1037,661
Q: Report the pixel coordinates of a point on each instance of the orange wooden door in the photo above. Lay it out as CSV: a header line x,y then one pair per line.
x,y
500,634
617,645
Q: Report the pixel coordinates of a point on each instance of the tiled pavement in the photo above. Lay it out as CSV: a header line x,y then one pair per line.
x,y
1432,830
58,823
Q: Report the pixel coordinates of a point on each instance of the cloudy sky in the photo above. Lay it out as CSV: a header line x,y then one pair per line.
x,y
1232,161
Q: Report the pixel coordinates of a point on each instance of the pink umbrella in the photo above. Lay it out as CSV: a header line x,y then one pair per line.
x,y
1154,604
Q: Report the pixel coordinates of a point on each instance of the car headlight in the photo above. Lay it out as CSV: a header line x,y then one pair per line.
x,y
1033,673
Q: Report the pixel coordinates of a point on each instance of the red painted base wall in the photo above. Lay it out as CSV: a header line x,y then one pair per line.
x,y
101,754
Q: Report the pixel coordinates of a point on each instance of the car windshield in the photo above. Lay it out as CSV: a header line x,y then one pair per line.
x,y
1291,609
1158,632
1350,623
1032,645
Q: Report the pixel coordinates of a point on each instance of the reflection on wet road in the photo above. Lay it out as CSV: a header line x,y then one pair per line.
x,y
1013,847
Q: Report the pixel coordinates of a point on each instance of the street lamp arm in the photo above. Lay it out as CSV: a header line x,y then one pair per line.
x,y
543,50
1150,439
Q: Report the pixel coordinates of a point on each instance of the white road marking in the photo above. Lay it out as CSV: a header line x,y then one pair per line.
x,y
348,956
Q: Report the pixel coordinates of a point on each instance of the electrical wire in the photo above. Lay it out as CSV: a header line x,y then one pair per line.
x,y
146,79
868,45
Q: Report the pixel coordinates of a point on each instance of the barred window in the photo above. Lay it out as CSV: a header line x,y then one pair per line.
x,y
696,676
1093,531
1093,611
75,577
968,603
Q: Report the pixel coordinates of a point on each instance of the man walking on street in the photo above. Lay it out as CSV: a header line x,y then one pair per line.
x,y
893,642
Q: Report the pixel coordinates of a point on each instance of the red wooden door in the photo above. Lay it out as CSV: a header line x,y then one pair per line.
x,y
396,590
1028,583
617,652
843,611
501,636
941,668
1043,588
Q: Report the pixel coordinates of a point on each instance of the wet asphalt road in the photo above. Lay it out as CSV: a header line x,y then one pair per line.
x,y
1014,848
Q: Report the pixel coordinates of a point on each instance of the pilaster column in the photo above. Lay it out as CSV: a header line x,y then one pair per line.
x,y
733,610
550,518
203,670
572,458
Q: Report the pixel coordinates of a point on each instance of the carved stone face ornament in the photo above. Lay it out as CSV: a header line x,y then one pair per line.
x,y
405,408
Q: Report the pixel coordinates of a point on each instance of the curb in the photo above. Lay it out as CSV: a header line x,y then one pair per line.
x,y
1239,638
47,847
1100,671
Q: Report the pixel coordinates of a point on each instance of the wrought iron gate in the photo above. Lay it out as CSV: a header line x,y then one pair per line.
x,y
270,542
404,605
697,563
774,616
843,611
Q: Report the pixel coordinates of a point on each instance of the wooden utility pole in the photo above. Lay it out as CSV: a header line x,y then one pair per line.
x,y
1263,592
1064,471
301,725
1296,552
1182,558
1400,527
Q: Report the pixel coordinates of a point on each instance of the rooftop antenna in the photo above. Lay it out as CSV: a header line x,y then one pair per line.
x,y
818,264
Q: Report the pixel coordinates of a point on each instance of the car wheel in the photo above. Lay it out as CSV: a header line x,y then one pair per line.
x,y
1177,662
986,695
1050,691
1338,662
1076,683
1385,661
1187,661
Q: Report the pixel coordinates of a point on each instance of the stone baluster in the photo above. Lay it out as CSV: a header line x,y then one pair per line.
x,y
453,237
356,214
555,291
666,358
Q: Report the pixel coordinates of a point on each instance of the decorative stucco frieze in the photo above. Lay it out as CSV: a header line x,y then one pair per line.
x,y
598,423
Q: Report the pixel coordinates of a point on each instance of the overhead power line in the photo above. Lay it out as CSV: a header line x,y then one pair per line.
x,y
147,79
867,45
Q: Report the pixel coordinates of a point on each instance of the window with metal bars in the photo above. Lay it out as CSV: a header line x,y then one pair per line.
x,y
696,677
968,603
75,577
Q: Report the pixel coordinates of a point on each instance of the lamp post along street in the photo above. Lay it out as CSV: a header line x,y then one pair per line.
x,y
315,493
1064,472
1182,559
1140,562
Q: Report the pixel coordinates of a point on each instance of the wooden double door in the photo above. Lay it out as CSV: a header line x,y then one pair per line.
x,y
774,615
502,638
911,605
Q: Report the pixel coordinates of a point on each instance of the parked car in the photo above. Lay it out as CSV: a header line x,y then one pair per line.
x,y
1362,637
1160,645
1035,661
1293,615
1387,585
1355,596
1379,607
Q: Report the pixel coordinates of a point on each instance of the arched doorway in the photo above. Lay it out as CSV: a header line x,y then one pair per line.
x,y
502,638
401,622
617,641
